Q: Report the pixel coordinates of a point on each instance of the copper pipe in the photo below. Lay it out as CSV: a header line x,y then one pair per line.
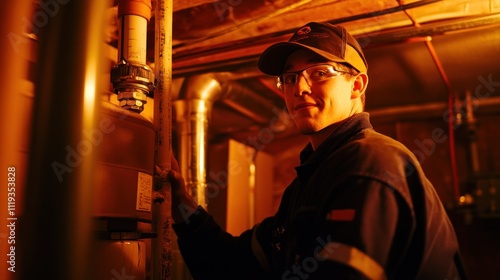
x,y
451,100
451,114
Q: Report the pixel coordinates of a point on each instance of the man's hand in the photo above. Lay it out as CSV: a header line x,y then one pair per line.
x,y
183,204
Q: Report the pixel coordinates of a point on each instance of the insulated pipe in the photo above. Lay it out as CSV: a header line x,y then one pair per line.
x,y
132,78
55,236
246,101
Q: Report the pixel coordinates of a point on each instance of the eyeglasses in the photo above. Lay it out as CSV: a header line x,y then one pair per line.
x,y
312,74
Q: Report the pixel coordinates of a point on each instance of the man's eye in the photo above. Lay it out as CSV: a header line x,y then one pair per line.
x,y
289,79
318,73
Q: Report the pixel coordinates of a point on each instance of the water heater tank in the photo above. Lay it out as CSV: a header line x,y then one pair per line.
x,y
125,165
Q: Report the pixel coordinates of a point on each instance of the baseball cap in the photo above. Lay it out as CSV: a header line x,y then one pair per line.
x,y
332,42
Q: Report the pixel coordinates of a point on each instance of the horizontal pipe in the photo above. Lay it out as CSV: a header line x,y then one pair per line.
x,y
251,41
406,34
210,59
432,110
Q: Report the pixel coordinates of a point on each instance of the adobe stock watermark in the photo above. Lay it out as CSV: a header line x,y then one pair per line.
x,y
263,137
309,265
427,147
266,134
376,19
47,9
90,139
221,7
218,180
121,276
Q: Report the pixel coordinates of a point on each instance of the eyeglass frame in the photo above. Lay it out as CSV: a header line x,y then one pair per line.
x,y
280,78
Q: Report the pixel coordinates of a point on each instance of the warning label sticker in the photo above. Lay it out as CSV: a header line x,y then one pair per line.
x,y
144,191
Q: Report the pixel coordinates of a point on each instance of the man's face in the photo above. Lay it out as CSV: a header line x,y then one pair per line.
x,y
314,106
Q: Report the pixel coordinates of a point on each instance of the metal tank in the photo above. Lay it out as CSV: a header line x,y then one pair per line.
x,y
125,165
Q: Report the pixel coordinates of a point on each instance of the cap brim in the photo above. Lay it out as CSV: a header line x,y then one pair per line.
x,y
272,61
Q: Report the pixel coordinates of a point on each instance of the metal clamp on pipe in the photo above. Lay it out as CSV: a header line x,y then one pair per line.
x,y
132,83
133,80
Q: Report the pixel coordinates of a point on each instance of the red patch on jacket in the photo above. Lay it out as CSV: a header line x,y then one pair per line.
x,y
345,215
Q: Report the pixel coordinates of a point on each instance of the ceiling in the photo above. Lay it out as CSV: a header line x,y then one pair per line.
x,y
419,52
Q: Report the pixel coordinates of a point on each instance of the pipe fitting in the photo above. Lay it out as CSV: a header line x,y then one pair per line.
x,y
132,84
132,79
140,8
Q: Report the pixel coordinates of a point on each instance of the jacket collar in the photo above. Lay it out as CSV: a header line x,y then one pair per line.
x,y
310,159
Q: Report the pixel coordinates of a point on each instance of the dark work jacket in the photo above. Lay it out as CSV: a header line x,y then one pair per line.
x,y
359,208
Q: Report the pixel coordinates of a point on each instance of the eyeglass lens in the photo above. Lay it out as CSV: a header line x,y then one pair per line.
x,y
313,74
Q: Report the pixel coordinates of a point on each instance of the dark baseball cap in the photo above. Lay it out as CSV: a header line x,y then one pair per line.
x,y
332,42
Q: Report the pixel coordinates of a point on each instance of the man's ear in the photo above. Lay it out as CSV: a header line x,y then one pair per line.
x,y
359,85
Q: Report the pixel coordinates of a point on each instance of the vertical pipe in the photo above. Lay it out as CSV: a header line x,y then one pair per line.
x,y
12,47
192,110
192,118
451,114
451,100
133,18
472,133
56,230
251,185
162,246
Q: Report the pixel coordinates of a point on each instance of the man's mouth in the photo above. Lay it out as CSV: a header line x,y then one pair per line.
x,y
303,105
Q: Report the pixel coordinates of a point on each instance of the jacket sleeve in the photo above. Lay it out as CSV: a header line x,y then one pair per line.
x,y
365,230
211,253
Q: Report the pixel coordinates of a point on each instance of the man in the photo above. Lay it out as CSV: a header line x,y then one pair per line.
x,y
360,206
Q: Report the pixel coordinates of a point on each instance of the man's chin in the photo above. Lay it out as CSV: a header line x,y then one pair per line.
x,y
305,129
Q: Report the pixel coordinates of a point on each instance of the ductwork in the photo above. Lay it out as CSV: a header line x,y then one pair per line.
x,y
193,108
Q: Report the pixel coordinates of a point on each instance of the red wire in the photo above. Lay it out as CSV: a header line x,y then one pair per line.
x,y
451,131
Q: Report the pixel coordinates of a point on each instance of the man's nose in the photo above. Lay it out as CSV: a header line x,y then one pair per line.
x,y
302,86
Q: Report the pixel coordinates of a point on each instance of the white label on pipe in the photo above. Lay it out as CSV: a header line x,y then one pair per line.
x,y
144,191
